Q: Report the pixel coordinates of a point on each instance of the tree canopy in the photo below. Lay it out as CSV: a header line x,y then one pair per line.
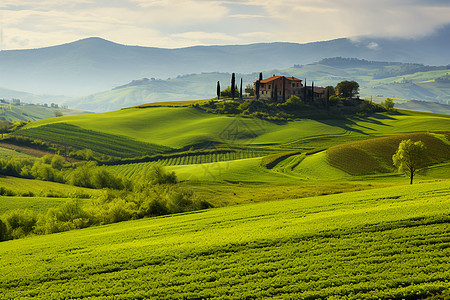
x,y
409,157
347,89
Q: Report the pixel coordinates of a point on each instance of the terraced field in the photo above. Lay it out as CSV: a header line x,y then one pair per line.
x,y
380,244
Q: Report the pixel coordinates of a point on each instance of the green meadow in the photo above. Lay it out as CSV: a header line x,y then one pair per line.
x,y
304,209
388,243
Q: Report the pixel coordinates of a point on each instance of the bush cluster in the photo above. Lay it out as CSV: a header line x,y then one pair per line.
x,y
291,109
55,168
155,194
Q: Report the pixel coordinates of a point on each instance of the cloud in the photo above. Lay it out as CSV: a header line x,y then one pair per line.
x,y
176,23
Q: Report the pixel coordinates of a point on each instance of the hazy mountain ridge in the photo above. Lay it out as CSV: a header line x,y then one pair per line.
x,y
91,65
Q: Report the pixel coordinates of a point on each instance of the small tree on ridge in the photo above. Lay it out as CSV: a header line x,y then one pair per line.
x,y
409,157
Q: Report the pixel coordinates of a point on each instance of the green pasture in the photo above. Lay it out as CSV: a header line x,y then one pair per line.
x,y
37,204
41,188
178,127
389,243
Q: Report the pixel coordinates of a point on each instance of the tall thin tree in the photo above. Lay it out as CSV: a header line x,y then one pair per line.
x,y
218,90
257,85
260,76
240,90
233,85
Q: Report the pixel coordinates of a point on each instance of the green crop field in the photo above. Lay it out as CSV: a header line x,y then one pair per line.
x,y
390,243
305,209
70,135
178,127
43,188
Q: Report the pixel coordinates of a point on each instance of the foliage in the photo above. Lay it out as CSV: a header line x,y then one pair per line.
x,y
388,104
409,157
227,93
153,194
347,89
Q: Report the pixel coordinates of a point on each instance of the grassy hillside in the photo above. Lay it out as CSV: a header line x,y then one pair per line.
x,y
379,244
375,155
179,127
424,106
26,112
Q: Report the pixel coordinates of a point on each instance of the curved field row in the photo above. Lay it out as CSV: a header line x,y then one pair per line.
x,y
130,170
79,138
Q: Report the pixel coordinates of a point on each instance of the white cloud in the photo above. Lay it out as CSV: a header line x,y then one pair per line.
x,y
177,23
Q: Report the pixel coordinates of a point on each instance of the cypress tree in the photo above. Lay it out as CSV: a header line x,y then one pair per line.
x,y
240,90
257,85
218,90
233,85
260,76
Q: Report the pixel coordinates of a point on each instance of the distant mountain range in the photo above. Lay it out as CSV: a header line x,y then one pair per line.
x,y
92,65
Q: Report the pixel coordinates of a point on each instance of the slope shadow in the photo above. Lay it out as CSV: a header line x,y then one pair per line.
x,y
346,125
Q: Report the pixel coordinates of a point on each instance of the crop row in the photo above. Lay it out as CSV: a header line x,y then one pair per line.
x,y
79,138
131,169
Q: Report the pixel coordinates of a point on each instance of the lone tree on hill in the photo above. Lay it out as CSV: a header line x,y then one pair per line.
x,y
347,89
218,90
409,157
233,85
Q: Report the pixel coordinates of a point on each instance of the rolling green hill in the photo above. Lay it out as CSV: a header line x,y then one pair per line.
x,y
28,112
379,244
185,126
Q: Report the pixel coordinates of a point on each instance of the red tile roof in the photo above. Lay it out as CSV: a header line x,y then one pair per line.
x,y
270,79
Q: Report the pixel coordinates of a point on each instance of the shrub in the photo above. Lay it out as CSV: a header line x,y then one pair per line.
x,y
20,223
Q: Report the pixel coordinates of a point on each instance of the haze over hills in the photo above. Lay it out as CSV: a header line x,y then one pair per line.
x,y
378,80
92,65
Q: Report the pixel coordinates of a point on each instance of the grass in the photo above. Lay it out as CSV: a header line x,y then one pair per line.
x,y
380,244
178,127
37,204
79,138
44,188
375,155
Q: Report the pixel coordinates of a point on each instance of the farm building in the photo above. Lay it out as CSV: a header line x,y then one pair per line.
x,y
280,88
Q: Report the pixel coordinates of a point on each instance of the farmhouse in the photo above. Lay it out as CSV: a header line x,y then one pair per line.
x,y
280,88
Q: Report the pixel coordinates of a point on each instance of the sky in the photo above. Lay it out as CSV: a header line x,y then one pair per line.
x,y
28,24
